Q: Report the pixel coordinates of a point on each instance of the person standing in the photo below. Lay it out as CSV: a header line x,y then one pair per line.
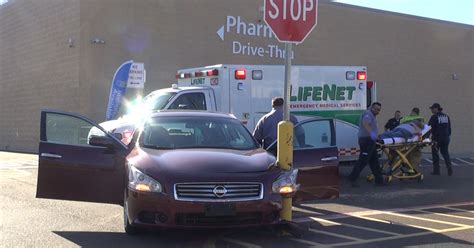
x,y
440,134
393,122
368,149
266,130
414,115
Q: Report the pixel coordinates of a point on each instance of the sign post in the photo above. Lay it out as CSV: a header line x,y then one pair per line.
x,y
291,21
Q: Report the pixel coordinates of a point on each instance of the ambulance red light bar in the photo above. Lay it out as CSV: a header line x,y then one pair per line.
x,y
214,72
199,74
361,75
240,74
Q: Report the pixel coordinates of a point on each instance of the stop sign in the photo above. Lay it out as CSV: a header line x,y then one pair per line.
x,y
291,20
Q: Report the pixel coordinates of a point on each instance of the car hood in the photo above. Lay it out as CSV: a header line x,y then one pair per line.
x,y
206,160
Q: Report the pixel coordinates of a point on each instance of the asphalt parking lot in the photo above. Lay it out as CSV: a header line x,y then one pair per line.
x,y
436,212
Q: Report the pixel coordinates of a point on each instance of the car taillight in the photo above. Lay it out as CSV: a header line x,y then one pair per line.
x,y
240,74
361,75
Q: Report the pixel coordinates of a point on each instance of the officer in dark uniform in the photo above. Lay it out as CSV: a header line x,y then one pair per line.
x,y
440,134
393,122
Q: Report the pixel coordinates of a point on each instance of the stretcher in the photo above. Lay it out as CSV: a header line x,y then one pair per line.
x,y
403,156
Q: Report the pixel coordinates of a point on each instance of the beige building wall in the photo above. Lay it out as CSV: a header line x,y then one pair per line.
x,y
412,59
38,68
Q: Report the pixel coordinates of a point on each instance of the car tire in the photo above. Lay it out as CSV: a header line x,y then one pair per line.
x,y
129,229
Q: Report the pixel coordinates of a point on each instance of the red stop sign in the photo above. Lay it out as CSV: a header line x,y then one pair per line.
x,y
291,20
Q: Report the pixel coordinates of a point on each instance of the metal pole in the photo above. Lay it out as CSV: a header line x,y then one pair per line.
x,y
286,92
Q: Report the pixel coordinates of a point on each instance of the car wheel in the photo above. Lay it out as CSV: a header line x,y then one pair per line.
x,y
129,229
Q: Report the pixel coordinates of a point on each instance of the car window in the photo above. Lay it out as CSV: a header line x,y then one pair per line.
x,y
70,130
315,134
195,101
196,132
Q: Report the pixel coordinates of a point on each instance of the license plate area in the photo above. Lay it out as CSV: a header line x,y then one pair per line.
x,y
221,209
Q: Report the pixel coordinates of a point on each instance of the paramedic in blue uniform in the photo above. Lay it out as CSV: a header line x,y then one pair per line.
x,y
440,134
368,149
266,129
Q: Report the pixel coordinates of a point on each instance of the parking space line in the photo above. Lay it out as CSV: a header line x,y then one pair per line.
x,y
465,161
304,241
403,236
429,220
459,209
398,223
241,243
335,235
355,226
447,215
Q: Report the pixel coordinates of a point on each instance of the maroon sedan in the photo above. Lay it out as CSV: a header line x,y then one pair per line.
x,y
182,169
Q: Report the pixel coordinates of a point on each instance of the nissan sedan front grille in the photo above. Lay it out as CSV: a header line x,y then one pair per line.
x,y
212,192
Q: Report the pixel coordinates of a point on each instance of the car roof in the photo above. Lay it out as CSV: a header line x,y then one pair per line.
x,y
190,113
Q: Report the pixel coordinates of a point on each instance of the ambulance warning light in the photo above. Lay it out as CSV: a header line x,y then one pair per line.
x,y
361,75
240,74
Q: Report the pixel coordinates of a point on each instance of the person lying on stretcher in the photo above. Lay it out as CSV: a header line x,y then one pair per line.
x,y
407,130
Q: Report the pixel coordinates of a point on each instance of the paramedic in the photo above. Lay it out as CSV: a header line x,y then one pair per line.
x,y
414,115
440,134
267,127
368,149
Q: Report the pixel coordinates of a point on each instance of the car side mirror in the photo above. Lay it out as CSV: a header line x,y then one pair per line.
x,y
103,141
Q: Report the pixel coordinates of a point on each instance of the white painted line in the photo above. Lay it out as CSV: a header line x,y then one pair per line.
x,y
354,226
429,160
452,163
464,161
335,234
397,223
459,209
402,236
447,215
242,243
309,242
429,220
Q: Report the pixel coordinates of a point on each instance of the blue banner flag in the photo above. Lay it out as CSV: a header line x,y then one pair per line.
x,y
117,90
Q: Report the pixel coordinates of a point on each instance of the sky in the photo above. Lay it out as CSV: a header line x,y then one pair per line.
x,y
461,11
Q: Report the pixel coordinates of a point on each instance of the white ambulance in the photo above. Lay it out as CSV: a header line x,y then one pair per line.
x,y
335,94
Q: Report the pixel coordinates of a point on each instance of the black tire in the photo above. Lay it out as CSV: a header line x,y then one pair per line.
x,y
129,229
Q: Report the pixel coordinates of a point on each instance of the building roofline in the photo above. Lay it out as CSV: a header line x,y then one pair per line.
x,y
345,5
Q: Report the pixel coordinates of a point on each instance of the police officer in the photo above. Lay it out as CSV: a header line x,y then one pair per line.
x,y
368,148
440,134
393,122
267,127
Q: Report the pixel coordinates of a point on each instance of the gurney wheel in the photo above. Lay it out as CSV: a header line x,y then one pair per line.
x,y
389,179
370,178
420,178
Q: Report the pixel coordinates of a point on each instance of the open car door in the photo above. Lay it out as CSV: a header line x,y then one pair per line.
x,y
79,160
315,155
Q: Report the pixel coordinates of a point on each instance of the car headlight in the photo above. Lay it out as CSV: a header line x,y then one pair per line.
x,y
286,183
137,180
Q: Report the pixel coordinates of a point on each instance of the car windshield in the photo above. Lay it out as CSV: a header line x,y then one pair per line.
x,y
196,132
157,100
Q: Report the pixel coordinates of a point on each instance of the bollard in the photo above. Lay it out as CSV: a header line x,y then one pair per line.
x,y
285,161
